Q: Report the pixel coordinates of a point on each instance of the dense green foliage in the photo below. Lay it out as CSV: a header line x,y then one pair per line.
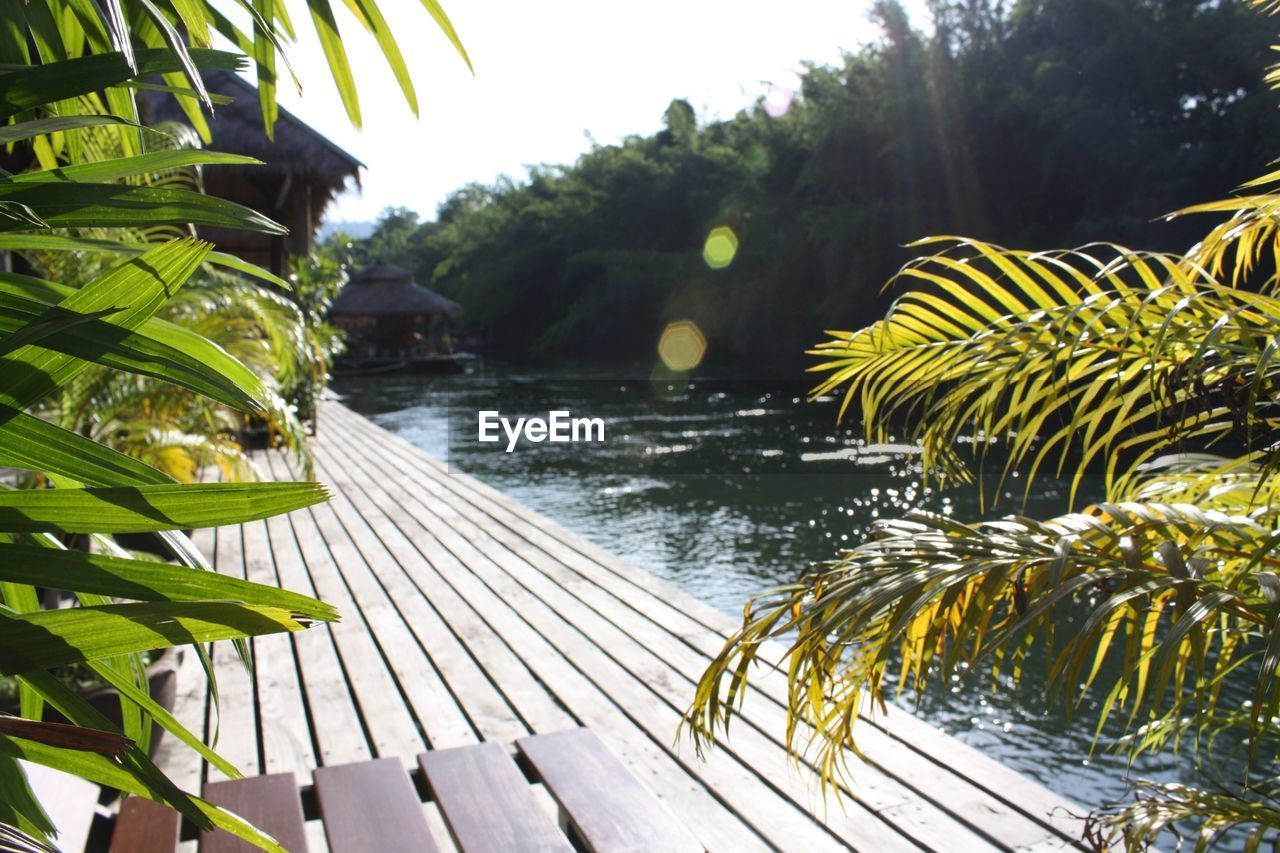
x,y
170,427
1052,122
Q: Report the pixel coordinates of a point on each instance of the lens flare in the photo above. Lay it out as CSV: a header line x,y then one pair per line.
x,y
777,101
682,346
720,248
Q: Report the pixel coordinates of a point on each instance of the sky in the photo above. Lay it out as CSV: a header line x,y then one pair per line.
x,y
550,77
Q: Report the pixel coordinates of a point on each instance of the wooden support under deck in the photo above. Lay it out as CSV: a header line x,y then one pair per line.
x,y
469,618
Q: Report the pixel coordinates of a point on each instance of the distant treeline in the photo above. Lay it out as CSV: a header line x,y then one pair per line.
x,y
1037,124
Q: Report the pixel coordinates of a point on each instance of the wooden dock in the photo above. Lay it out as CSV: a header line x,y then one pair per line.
x,y
467,617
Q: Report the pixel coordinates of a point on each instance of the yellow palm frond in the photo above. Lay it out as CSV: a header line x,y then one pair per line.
x,y
1243,240
1104,353
1180,596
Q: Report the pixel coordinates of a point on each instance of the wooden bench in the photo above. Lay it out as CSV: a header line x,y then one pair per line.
x,y
602,802
269,802
371,805
486,802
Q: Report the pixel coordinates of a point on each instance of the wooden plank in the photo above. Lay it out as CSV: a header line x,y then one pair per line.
x,y
484,703
754,777
429,699
439,831
487,803
998,780
338,730
144,826
608,808
234,719
718,827
984,804
688,648
362,428
391,728
282,714
371,805
269,802
485,708
754,799
69,801
191,700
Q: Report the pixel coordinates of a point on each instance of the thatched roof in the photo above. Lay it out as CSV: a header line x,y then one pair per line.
x,y
385,290
302,170
237,127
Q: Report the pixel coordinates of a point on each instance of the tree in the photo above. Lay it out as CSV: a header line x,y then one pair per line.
x,y
680,123
1156,370
84,180
391,238
1021,123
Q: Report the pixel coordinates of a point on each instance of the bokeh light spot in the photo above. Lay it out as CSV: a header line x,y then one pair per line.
x,y
682,346
721,246
777,101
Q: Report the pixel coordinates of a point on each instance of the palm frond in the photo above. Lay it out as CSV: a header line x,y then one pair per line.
x,y
1099,354
1180,596
1247,237
1159,808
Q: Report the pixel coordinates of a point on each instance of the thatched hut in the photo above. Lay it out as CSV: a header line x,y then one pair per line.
x,y
386,314
303,170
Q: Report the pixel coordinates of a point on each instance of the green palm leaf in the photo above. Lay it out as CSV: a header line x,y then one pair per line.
x,y
18,805
336,54
1097,353
128,167
51,638
135,288
135,774
370,16
168,352
149,508
61,243
77,351
145,581
57,124
59,81
85,205
35,444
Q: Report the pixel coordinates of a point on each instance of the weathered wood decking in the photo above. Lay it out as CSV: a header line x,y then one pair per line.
x,y
468,617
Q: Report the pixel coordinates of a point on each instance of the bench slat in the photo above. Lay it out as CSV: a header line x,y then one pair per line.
x,y
486,801
608,808
144,825
270,802
371,805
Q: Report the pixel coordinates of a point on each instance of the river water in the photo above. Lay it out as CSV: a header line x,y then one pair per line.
x,y
728,487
